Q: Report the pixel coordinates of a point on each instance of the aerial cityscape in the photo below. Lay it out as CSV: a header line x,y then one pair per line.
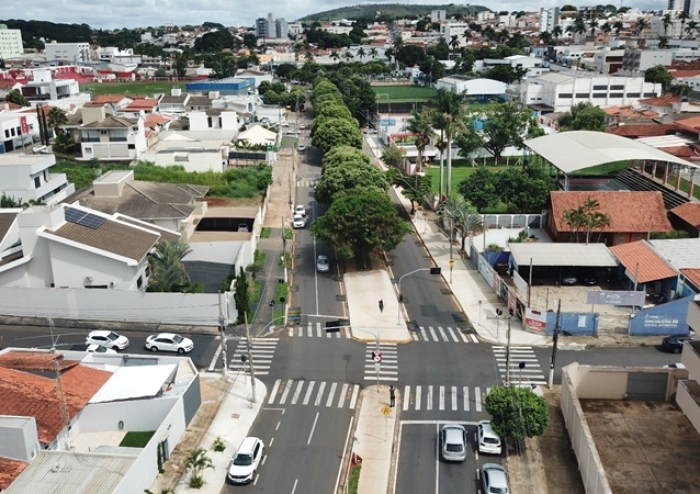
x,y
379,248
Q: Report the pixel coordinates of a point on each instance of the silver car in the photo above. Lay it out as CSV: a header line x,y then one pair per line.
x,y
453,443
494,479
322,265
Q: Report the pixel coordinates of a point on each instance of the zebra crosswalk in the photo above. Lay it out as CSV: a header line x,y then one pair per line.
x,y
440,334
531,373
443,398
314,393
388,369
262,350
428,334
307,182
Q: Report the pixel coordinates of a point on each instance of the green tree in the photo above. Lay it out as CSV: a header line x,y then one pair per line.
x,y
57,118
336,132
419,124
469,141
658,75
452,107
393,156
168,274
525,189
464,219
347,175
516,412
508,124
15,96
416,188
586,217
359,222
197,462
583,116
242,295
479,188
680,89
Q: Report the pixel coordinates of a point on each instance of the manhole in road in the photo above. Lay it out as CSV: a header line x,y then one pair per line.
x,y
461,320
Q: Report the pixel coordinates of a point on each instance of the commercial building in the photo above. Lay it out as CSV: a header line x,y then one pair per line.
x,y
10,42
271,28
458,29
73,52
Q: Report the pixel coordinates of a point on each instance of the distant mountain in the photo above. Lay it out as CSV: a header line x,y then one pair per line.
x,y
390,10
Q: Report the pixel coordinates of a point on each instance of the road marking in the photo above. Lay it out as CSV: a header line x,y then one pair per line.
x,y
477,399
406,397
310,330
432,333
465,395
474,339
291,332
319,395
355,393
309,390
313,428
418,398
285,393
343,395
345,449
331,394
273,393
296,481
437,460
279,422
318,329
413,335
453,335
429,401
423,333
454,398
442,334
265,457
297,392
300,331
442,398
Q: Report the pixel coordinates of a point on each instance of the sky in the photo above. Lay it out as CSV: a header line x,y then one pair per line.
x,y
144,13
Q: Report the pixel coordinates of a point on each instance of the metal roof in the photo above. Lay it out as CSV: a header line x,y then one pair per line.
x,y
681,253
562,254
578,150
130,383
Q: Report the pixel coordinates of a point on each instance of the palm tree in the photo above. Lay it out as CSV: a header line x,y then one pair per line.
x,y
361,53
467,35
348,56
546,37
606,28
618,26
334,55
198,461
683,16
691,27
168,274
666,21
373,53
641,25
453,107
56,117
454,43
556,32
593,25
398,43
464,218
504,35
419,125
663,42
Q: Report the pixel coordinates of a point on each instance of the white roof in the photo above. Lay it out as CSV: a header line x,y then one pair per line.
x,y
562,254
581,149
681,253
129,383
257,135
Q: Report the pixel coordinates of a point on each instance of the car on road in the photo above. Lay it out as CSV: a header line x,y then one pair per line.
x,y
302,126
488,440
99,349
108,339
677,365
245,461
674,343
322,265
300,209
299,221
453,443
301,148
494,479
169,342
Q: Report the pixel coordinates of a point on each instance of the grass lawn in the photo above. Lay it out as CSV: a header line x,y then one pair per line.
x,y
354,480
265,232
461,169
148,88
603,170
136,439
404,93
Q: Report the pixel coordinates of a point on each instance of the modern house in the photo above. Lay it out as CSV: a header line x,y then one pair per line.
x,y
111,138
27,177
69,418
195,151
17,130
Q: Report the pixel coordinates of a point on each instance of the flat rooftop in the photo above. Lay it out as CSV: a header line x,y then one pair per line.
x,y
646,447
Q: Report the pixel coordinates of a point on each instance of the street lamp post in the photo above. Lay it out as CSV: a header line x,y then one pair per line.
x,y
435,271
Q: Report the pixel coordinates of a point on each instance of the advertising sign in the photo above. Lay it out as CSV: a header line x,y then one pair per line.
x,y
601,297
25,126
535,319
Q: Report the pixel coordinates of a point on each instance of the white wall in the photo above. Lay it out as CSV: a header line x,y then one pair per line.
x,y
137,415
209,160
117,305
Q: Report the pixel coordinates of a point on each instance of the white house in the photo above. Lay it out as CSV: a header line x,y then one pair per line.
x,y
479,89
111,137
560,91
449,29
194,150
534,65
105,397
46,89
214,119
17,129
28,178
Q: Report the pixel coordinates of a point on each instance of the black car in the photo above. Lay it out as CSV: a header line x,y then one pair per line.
x,y
674,343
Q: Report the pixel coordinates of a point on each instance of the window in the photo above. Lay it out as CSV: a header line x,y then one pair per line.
x,y
37,182
131,146
617,88
88,150
565,95
599,95
600,88
139,282
582,95
650,95
616,95
7,134
621,238
633,95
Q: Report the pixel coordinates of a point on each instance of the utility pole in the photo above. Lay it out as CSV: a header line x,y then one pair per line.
x,y
508,353
555,340
250,357
222,329
284,252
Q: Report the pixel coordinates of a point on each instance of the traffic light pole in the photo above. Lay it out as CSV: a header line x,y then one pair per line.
x,y
250,357
432,271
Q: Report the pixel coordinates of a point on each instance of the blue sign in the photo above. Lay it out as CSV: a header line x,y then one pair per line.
x,y
661,320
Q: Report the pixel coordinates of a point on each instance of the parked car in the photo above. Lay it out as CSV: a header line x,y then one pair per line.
x,y
494,479
677,365
299,221
246,461
302,126
322,265
108,339
301,148
300,209
489,442
674,343
453,443
99,349
169,342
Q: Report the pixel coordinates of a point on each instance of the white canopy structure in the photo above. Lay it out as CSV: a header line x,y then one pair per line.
x,y
257,135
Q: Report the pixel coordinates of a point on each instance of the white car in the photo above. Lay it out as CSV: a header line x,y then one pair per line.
x,y
99,349
300,209
488,440
246,461
322,265
302,126
299,221
107,339
301,148
169,342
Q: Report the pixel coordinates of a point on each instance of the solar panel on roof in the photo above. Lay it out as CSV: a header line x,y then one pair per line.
x,y
84,219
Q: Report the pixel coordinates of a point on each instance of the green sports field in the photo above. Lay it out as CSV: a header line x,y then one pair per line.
x,y
404,93
147,88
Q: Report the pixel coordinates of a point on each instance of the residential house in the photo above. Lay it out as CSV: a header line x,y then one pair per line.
x,y
669,104
646,271
27,177
17,130
687,217
46,88
195,151
633,216
140,107
173,207
256,74
111,137
176,102
534,66
214,119
68,412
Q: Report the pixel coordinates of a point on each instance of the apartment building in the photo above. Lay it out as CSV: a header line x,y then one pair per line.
x,y
10,42
74,52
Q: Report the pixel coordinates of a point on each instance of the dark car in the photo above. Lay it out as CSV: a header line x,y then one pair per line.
x,y
674,343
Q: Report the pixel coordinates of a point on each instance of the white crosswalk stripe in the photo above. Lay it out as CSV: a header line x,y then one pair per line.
x,y
443,398
531,373
302,182
389,366
318,330
440,334
262,350
318,394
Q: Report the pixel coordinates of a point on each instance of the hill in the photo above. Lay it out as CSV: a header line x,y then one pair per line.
x,y
390,10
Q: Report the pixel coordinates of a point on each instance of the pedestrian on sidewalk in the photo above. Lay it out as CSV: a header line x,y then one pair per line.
x,y
392,395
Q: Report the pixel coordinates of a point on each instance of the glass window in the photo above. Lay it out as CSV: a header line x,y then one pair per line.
x,y
600,88
565,95
633,95
616,95
582,95
599,95
617,88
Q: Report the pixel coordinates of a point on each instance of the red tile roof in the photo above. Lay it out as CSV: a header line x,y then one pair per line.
x,y
688,212
684,73
692,122
685,152
9,471
643,130
667,100
630,211
142,104
639,258
693,274
108,98
28,388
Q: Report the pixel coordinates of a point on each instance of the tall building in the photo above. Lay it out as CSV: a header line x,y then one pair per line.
x,y
549,18
10,42
73,52
271,28
438,16
262,28
281,28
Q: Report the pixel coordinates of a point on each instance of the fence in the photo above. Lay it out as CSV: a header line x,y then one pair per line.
x,y
515,220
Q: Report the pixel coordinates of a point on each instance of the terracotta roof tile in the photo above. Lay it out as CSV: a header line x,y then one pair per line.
x,y
688,212
28,389
108,98
685,152
667,100
692,122
639,258
9,471
630,212
693,274
684,73
643,130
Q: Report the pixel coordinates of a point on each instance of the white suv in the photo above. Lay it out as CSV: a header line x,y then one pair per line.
x,y
246,461
107,339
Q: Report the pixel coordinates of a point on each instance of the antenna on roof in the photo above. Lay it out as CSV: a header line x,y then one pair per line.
x,y
54,339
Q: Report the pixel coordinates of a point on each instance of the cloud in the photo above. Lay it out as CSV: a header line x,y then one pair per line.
x,y
144,13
